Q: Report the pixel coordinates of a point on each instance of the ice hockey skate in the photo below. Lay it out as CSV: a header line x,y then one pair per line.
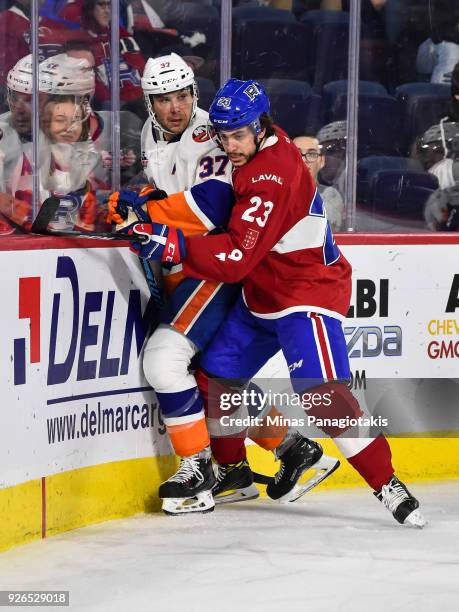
x,y
190,488
398,500
300,455
234,483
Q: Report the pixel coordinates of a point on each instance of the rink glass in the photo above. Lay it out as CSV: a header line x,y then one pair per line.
x,y
321,62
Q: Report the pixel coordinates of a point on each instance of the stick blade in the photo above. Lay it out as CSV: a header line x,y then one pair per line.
x,y
46,213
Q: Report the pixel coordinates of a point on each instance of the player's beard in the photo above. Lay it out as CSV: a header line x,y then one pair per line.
x,y
249,156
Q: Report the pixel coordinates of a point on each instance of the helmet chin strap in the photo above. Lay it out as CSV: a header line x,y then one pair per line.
x,y
160,129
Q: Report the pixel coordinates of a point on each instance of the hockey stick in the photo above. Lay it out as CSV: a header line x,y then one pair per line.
x,y
149,276
46,214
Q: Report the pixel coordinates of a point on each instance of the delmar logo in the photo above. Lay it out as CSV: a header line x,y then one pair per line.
x,y
29,308
73,331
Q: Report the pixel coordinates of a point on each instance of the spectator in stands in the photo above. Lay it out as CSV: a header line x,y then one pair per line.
x,y
436,148
441,143
332,138
14,35
162,27
438,54
67,154
439,149
93,19
314,158
437,152
66,86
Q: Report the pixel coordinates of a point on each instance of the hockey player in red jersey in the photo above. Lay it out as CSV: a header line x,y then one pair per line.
x,y
296,290
181,155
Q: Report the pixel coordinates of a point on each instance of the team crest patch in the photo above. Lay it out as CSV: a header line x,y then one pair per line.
x,y
144,159
250,239
252,92
200,134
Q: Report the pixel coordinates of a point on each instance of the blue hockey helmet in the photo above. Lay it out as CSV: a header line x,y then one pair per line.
x,y
237,104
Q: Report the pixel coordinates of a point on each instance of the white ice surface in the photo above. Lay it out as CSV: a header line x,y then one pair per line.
x,y
334,550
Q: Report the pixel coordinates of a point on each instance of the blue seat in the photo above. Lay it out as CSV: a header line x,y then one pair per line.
x,y
294,106
323,16
404,193
207,91
368,167
195,17
378,123
421,105
327,33
261,13
334,88
264,48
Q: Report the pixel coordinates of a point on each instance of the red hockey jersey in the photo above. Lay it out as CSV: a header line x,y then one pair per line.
x,y
14,37
278,241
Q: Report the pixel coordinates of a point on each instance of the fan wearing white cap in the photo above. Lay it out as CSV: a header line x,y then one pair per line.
x,y
67,153
67,80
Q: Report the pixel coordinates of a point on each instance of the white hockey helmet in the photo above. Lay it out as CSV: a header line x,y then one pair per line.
x,y
20,76
164,75
65,75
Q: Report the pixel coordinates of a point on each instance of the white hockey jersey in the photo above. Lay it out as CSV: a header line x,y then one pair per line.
x,y
187,160
15,158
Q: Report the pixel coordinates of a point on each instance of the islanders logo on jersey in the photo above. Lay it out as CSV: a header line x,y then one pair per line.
x,y
200,134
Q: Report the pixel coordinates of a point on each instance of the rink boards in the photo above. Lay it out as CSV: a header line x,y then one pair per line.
x,y
81,437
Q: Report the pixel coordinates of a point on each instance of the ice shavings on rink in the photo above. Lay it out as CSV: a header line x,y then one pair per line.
x,y
334,550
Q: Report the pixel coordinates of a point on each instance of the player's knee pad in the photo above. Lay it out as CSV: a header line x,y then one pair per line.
x,y
166,359
332,406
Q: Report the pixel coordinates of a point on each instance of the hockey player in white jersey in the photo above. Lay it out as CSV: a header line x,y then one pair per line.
x,y
177,151
180,156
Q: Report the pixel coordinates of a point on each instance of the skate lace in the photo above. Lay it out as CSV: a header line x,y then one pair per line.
x,y
280,473
221,473
393,495
189,467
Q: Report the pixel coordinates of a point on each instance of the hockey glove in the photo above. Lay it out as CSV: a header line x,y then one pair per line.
x,y
121,203
165,244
